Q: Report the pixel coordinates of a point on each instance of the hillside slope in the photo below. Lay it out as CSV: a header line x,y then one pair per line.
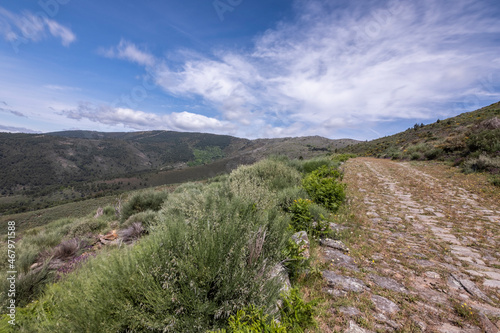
x,y
39,170
459,139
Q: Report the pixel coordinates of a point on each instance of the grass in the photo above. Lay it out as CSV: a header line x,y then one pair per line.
x,y
200,255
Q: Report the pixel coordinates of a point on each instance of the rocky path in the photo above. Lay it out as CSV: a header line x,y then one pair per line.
x,y
425,256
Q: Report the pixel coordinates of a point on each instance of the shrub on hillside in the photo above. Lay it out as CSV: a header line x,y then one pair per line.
x,y
487,141
189,275
296,316
323,187
482,163
287,196
260,182
86,226
146,219
143,201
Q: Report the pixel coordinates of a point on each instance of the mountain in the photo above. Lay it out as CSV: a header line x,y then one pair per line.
x,y
39,170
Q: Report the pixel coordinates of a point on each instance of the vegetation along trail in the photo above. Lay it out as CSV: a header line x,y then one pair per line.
x,y
433,246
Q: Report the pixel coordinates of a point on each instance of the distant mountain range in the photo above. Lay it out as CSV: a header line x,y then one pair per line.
x,y
38,170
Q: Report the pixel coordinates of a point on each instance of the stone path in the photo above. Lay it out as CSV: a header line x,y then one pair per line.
x,y
428,257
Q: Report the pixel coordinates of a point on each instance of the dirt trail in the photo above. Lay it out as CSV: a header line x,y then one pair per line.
x,y
429,259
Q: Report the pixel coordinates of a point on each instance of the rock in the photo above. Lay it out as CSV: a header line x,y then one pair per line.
x,y
280,273
448,328
390,324
353,328
336,227
384,305
432,275
388,283
334,244
350,311
337,258
344,282
470,287
421,324
300,238
100,212
492,283
487,325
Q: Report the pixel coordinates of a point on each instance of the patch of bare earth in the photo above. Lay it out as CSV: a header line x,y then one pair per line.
x,y
424,256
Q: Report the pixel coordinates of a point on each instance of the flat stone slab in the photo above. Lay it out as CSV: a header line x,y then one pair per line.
x,y
354,328
384,305
350,311
334,244
388,283
336,227
470,287
492,284
448,328
344,282
432,275
337,258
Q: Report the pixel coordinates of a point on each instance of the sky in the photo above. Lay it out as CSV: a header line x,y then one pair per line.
x,y
356,69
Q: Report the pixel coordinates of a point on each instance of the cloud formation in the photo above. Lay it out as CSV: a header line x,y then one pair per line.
x,y
14,112
14,129
128,51
337,67
140,120
32,27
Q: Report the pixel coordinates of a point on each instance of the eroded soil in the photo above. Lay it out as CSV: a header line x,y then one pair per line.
x,y
424,256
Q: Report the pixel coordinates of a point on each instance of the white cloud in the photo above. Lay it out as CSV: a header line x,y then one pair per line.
x,y
15,129
140,120
32,27
333,68
128,51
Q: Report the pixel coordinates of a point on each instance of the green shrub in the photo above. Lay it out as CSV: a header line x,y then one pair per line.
x,y
287,196
109,211
260,182
301,215
295,261
309,166
143,201
487,141
296,316
323,187
85,226
343,157
252,320
189,275
482,163
148,219
432,154
415,156
495,180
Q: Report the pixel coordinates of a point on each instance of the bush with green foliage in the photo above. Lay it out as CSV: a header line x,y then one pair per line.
x,y
287,196
147,219
482,163
186,276
262,181
296,316
86,226
140,202
487,141
323,187
343,157
301,215
295,262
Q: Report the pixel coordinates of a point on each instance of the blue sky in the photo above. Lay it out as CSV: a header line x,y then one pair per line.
x,y
274,68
